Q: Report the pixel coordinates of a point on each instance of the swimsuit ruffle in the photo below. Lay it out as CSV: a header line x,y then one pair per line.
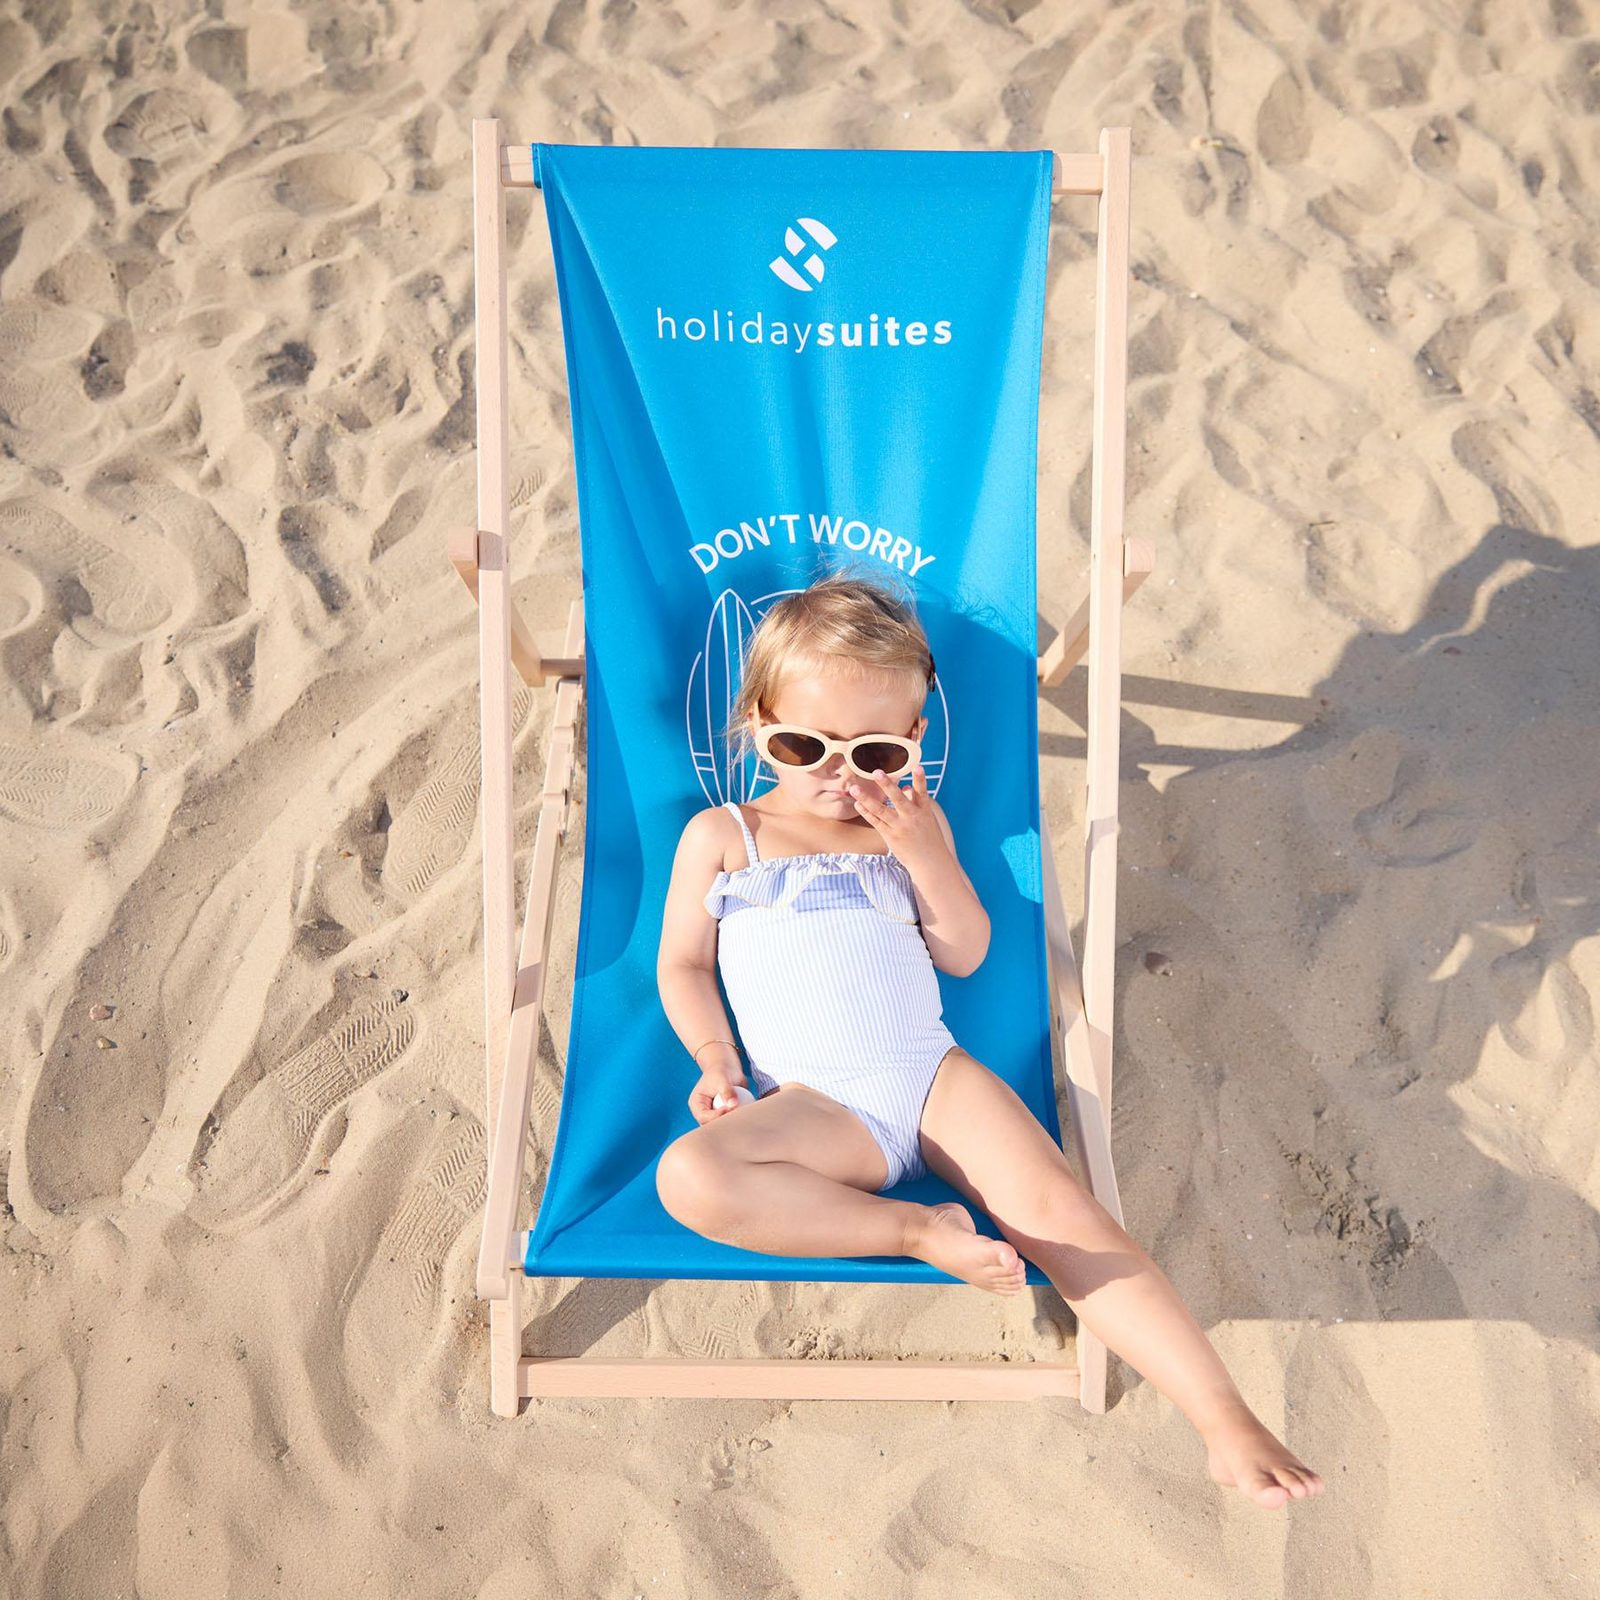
x,y
774,885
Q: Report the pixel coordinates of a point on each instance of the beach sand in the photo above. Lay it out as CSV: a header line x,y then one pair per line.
x,y
1356,1113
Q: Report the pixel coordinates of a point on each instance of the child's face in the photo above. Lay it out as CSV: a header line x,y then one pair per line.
x,y
844,708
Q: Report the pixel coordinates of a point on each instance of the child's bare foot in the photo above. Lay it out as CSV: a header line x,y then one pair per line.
x,y
1242,1453
946,1237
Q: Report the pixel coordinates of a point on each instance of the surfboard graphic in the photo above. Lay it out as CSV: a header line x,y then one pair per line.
x,y
713,686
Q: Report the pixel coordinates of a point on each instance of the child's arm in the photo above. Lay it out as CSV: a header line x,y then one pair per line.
x,y
955,927
686,961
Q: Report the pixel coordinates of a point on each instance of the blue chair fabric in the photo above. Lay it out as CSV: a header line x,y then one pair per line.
x,y
783,363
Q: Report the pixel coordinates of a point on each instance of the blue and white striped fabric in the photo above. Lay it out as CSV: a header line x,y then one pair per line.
x,y
831,984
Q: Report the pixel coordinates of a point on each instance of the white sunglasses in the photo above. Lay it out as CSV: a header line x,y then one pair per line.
x,y
787,744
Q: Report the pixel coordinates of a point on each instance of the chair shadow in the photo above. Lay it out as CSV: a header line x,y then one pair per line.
x,y
1324,941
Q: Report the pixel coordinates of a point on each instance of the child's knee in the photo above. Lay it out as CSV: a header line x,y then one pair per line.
x,y
1049,1204
686,1177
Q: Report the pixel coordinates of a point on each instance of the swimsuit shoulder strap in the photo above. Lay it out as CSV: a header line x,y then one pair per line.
x,y
744,828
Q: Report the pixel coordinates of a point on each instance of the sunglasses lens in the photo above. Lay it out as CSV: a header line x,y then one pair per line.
x,y
795,749
886,758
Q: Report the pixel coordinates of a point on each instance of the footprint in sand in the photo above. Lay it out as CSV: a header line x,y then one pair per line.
x,y
446,1199
21,592
432,832
57,791
715,1325
164,126
118,593
399,1302
260,1152
37,405
433,829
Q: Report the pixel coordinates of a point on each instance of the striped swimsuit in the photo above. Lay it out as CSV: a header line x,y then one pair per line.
x,y
832,985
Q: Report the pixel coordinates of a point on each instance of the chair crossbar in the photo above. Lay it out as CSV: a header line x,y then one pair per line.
x,y
666,1377
1069,174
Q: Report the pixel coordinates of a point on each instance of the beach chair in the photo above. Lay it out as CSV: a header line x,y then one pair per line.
x,y
719,465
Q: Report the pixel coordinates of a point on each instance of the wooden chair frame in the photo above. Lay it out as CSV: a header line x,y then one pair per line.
x,y
1081,1013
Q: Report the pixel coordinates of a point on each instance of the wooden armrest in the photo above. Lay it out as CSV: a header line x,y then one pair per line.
x,y
470,550
1067,648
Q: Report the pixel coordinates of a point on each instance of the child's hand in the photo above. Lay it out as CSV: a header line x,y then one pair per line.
x,y
909,827
717,1081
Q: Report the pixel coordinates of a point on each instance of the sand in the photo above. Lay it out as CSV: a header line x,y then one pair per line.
x,y
1356,1114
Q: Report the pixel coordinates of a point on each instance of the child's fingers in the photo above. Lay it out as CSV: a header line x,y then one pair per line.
x,y
888,788
893,795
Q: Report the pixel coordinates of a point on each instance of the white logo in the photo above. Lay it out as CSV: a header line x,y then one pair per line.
x,y
821,234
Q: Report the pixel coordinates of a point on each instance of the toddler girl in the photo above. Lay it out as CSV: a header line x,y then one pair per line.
x,y
827,905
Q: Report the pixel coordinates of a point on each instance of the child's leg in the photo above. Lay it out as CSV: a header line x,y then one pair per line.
x,y
794,1173
979,1137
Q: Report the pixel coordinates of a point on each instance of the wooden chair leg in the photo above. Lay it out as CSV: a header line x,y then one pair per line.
x,y
505,1349
1089,1100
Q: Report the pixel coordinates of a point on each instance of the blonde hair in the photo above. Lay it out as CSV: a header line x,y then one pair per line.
x,y
841,622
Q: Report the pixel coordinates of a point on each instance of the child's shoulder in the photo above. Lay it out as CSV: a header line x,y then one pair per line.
x,y
710,822
710,817
711,833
